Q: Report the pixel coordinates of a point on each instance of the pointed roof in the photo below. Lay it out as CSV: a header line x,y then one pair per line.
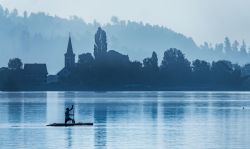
x,y
69,49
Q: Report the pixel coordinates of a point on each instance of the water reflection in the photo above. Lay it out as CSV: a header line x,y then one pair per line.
x,y
15,109
126,120
23,110
69,138
100,118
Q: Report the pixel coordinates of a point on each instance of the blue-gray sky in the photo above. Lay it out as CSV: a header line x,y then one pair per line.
x,y
204,20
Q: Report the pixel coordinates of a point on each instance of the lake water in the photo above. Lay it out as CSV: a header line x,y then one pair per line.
x,y
126,120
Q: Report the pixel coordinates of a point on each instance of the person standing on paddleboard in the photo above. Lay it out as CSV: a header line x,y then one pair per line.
x,y
67,115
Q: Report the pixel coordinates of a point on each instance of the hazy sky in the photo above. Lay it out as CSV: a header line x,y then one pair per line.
x,y
204,20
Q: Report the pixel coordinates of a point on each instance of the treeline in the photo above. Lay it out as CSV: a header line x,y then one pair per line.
x,y
112,69
31,36
230,49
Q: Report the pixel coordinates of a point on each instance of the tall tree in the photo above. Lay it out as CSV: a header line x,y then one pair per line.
x,y
235,46
201,71
150,68
151,64
200,66
175,67
15,64
243,48
100,47
227,45
205,46
154,61
219,47
221,71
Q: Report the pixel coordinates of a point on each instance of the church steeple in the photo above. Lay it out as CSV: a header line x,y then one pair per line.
x,y
69,49
69,55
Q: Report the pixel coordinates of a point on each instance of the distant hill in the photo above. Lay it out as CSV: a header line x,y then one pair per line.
x,y
42,38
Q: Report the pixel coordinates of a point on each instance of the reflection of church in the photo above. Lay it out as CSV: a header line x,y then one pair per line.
x,y
69,60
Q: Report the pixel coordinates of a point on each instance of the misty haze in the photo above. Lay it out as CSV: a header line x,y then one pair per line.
x,y
124,74
41,38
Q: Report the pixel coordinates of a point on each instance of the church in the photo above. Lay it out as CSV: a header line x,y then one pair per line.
x,y
69,61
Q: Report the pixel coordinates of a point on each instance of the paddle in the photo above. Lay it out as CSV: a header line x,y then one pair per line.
x,y
73,112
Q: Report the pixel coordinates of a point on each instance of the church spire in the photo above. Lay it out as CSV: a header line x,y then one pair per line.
x,y
69,49
69,55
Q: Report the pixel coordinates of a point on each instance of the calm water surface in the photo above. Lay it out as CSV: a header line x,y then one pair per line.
x,y
122,120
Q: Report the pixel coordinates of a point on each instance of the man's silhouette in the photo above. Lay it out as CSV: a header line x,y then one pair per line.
x,y
67,115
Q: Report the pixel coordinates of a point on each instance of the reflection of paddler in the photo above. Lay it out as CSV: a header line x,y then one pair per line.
x,y
67,115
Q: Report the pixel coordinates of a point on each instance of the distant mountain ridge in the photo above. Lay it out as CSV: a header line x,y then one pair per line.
x,y
42,38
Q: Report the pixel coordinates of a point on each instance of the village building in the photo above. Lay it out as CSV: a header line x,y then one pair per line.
x,y
35,73
69,61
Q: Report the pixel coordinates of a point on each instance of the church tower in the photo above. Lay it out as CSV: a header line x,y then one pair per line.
x,y
69,56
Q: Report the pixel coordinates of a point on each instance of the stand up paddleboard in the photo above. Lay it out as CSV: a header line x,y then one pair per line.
x,y
67,118
71,124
